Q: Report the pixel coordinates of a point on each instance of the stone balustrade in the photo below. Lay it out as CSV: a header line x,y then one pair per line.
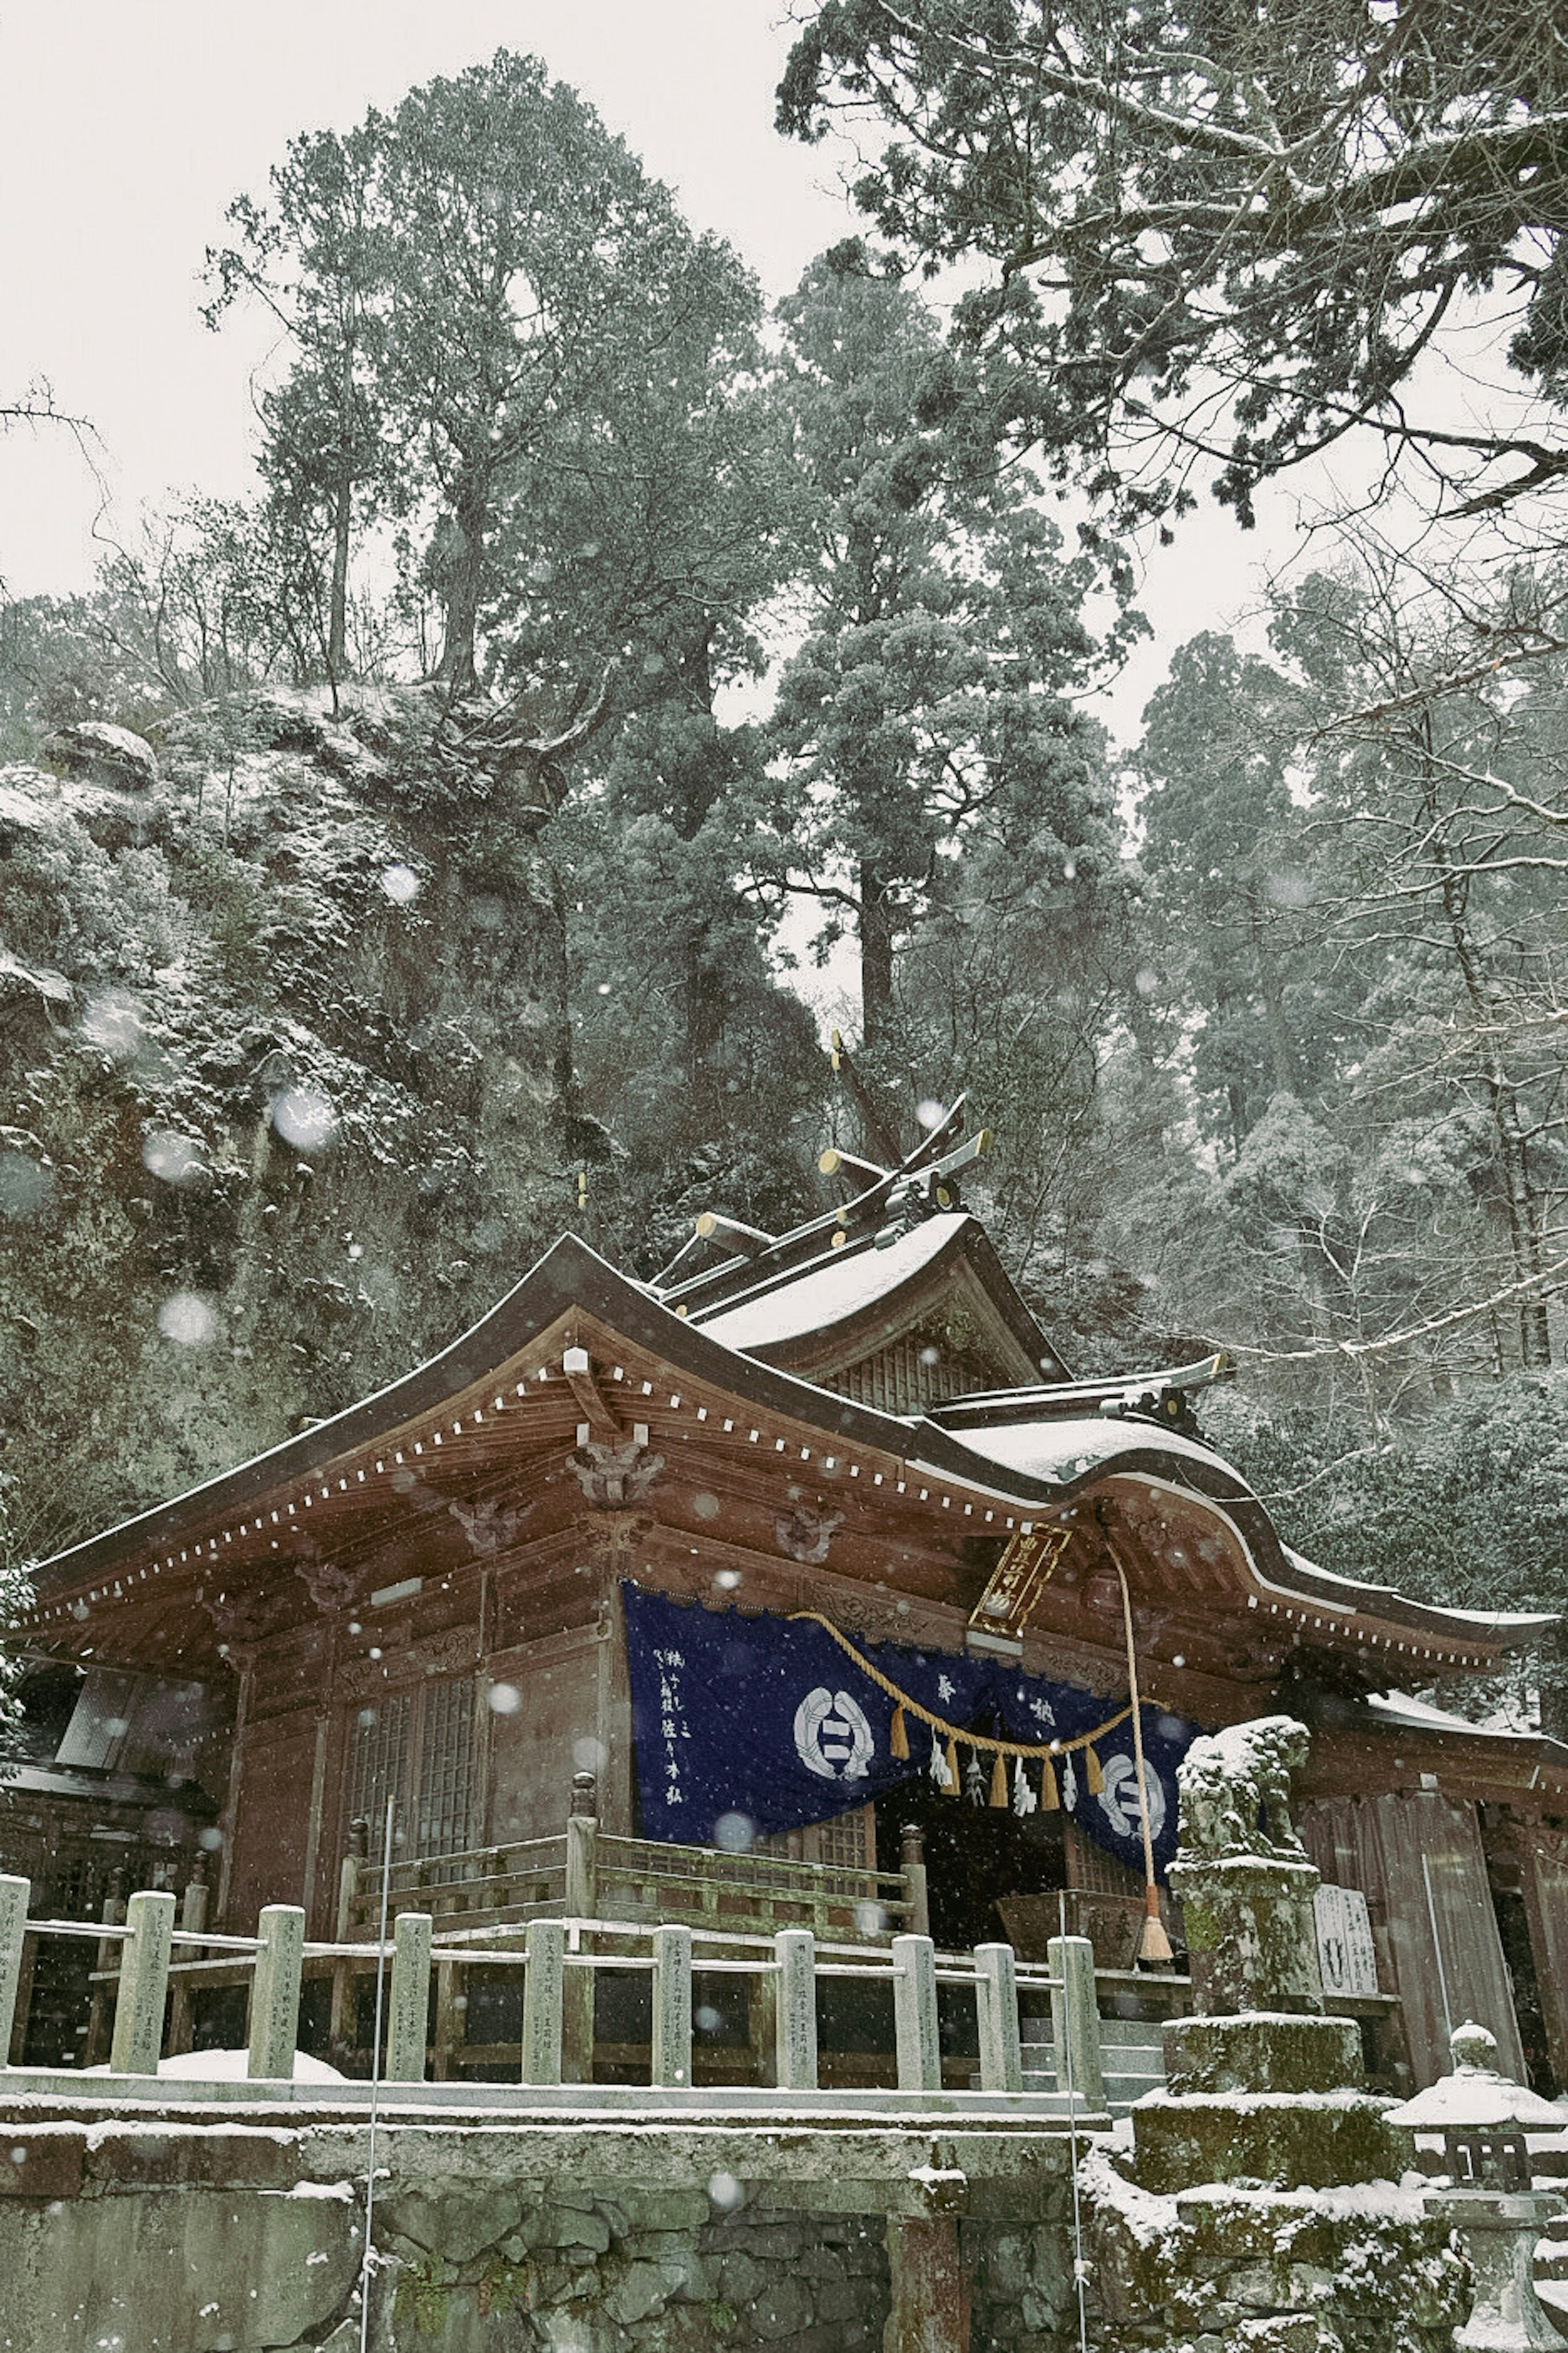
x,y
153,1950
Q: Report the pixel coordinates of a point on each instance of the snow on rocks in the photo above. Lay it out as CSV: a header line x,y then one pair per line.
x,y
104,754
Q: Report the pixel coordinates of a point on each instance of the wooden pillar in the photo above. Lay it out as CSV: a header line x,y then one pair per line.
x,y
108,1960
451,2011
928,2292
343,2032
912,1860
193,1919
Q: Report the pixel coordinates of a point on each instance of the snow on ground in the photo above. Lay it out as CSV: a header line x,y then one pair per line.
x,y
234,2067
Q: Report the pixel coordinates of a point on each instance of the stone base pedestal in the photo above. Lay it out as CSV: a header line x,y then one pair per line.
x,y
1252,1934
928,2291
1280,2140
1261,2051
1499,2229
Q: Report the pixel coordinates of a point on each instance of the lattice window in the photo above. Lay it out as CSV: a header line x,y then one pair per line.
x,y
416,1746
379,1743
843,1840
1092,1867
446,1766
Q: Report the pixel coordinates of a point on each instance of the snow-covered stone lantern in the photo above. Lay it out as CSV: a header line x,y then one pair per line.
x,y
1483,2116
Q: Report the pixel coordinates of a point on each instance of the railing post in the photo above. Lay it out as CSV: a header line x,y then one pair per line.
x,y
451,2008
343,2030
996,2009
794,1951
193,1919
912,1856
14,1897
671,2052
408,2009
582,1848
274,2033
544,1988
144,1984
582,1904
915,2034
1074,2018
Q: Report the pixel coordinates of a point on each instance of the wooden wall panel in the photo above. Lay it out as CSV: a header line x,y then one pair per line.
x,y
532,1758
272,1819
1379,1845
1545,1885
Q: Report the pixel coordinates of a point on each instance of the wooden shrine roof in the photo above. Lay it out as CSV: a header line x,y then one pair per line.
x,y
495,1413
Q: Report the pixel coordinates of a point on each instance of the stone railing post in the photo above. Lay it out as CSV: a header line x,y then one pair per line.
x,y
996,2011
915,2035
144,1984
794,1956
544,1988
1075,2020
15,1896
671,2054
582,1904
273,2031
912,1863
409,2008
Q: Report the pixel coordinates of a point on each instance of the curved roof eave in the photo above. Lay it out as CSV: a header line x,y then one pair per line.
x,y
571,1276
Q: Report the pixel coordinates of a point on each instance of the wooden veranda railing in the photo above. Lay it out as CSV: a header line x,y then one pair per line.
x,y
590,1873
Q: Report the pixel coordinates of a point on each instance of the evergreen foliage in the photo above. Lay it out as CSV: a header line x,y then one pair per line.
x,y
434,936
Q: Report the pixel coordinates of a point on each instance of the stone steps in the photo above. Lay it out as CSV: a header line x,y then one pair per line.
x,y
1130,2067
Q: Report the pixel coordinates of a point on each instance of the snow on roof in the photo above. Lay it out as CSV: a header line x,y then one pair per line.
x,y
1049,1449
1403,1707
1514,1617
829,1292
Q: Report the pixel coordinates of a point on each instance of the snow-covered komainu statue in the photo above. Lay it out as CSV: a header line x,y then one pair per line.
x,y
1236,1791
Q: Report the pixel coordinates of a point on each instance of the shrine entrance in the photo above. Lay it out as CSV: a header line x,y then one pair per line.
x,y
976,1857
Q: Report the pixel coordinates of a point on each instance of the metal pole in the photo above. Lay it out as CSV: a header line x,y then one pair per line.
x,y
375,2082
1437,1950
1154,1945
1080,2268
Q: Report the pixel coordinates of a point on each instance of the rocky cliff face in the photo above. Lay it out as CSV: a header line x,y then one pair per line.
x,y
277,1073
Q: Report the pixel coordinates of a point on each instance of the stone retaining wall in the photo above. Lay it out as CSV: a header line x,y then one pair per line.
x,y
186,2231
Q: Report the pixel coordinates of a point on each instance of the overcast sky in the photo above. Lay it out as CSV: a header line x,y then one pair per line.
x,y
127,126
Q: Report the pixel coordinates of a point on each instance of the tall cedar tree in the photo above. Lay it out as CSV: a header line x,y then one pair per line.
x,y
928,701
1224,233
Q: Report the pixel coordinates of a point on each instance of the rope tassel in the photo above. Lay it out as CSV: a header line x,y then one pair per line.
x,y
899,1738
998,1781
1049,1801
1092,1773
952,1784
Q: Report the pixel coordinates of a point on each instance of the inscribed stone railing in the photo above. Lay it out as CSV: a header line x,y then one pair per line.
x,y
554,1955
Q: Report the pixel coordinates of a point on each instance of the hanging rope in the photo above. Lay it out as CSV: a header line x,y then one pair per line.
x,y
956,1732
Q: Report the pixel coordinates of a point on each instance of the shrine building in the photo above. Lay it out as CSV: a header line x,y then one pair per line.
x,y
809,1542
